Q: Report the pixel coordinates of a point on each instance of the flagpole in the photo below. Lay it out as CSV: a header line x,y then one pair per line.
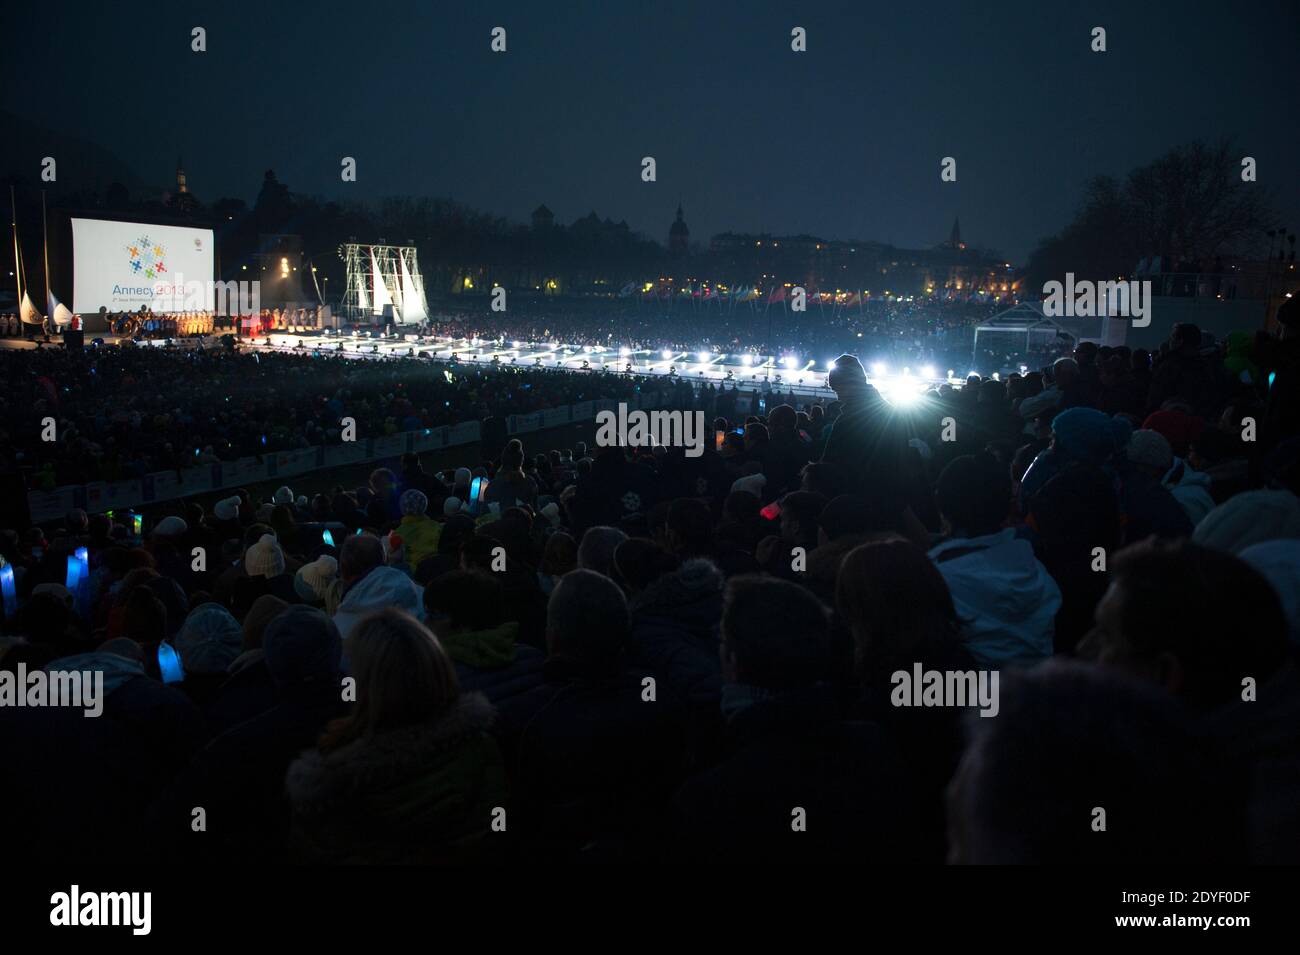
x,y
18,264
45,229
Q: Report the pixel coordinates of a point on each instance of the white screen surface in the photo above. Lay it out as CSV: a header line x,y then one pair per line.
x,y
125,265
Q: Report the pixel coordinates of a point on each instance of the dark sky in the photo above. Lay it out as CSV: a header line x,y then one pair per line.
x,y
843,141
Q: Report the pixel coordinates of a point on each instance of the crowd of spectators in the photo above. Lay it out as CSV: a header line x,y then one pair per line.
x,y
612,653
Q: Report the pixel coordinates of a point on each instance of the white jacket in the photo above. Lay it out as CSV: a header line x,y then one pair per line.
x,y
382,587
1006,599
1190,488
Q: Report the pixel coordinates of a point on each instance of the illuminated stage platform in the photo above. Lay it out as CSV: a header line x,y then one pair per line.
x,y
785,373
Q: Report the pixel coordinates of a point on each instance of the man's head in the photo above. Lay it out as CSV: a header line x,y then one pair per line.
x,y
974,494
587,620
464,600
1194,620
1074,747
596,551
689,528
1065,372
361,554
847,376
775,635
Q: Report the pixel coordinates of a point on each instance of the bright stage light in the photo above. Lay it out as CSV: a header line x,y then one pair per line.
x,y
790,361
927,370
666,355
879,369
747,359
704,357
625,351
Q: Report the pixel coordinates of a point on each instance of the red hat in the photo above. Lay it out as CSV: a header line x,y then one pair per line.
x,y
1179,428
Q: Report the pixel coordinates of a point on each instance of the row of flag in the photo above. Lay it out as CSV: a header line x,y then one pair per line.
x,y
779,293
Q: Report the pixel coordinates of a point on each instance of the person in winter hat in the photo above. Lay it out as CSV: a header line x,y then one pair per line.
x,y
282,495
227,509
208,642
1004,596
317,583
265,558
264,569
1150,451
418,532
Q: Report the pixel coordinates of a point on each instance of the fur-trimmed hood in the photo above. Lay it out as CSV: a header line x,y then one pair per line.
x,y
317,781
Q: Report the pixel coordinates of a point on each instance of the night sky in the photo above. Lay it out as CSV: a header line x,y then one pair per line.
x,y
843,141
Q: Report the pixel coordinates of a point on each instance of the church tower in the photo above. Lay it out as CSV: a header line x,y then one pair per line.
x,y
679,236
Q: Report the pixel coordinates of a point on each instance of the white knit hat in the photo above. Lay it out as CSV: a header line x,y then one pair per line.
x,y
282,495
312,579
227,509
463,476
264,559
451,506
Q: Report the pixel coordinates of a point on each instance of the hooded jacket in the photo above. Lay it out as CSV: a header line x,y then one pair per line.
x,y
382,587
491,662
1005,598
675,631
1190,488
418,794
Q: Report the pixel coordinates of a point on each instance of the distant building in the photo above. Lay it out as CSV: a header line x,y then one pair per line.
x,y
679,235
543,219
182,200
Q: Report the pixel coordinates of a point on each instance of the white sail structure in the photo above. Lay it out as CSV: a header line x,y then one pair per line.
x,y
27,311
413,309
61,314
382,295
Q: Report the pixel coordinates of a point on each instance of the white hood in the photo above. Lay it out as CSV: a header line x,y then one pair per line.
x,y
1005,598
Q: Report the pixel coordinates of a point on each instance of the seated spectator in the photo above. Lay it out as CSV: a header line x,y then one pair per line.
x,y
466,610
591,760
264,573
418,531
1005,598
1075,749
411,774
1150,453
238,778
797,782
208,642
369,586
1170,616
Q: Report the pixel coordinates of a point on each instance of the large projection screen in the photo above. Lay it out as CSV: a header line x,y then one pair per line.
x,y
123,266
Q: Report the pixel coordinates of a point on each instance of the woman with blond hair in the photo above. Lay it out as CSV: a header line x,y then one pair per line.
x,y
411,775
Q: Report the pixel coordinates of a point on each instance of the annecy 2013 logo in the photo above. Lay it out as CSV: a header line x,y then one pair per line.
x,y
146,257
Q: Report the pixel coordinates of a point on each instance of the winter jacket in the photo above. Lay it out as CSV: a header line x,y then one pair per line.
x,y
675,631
1190,488
492,663
420,534
794,751
1005,598
591,762
418,794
